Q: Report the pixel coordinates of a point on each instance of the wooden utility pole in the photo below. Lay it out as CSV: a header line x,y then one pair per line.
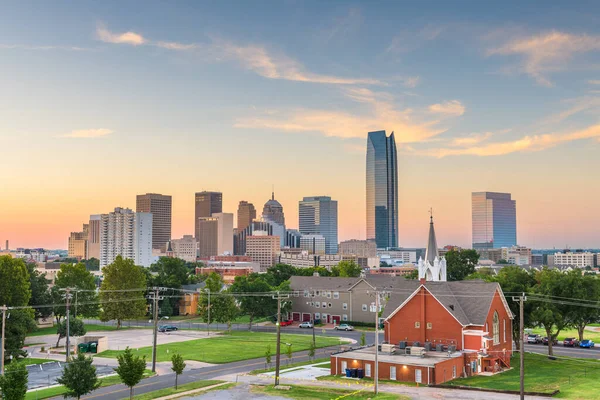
x,y
68,298
521,299
278,354
4,309
208,322
155,298
376,378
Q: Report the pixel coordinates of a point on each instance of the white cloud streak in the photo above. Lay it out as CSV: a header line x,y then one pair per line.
x,y
87,133
131,38
594,82
452,108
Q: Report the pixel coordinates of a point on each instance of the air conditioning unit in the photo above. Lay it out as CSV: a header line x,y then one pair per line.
x,y
402,344
417,344
427,346
417,351
451,348
387,348
439,347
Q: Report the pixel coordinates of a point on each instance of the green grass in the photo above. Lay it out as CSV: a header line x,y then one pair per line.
x,y
60,390
325,393
345,381
181,388
298,364
51,330
244,319
326,365
565,333
576,378
235,346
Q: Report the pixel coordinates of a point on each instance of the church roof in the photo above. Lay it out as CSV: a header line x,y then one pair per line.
x,y
432,249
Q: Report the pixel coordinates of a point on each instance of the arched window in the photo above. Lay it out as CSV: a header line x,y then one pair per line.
x,y
496,328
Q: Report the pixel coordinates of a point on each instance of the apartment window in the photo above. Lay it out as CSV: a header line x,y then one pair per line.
x,y
368,370
329,305
324,305
317,293
345,317
344,306
336,295
328,295
324,317
417,324
317,315
318,305
296,293
364,307
429,325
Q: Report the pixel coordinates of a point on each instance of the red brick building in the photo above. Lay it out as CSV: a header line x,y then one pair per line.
x,y
455,328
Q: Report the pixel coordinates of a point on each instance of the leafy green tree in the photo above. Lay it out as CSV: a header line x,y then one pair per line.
x,y
268,355
118,296
78,278
349,269
13,384
280,273
414,274
178,366
254,306
76,328
93,264
363,339
312,349
79,377
289,352
223,309
131,369
166,307
502,262
20,323
15,288
460,263
582,287
170,272
40,293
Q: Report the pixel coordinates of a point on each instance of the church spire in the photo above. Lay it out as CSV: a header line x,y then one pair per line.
x,y
432,250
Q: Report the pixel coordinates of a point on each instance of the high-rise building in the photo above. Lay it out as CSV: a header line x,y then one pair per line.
x,y
128,234
224,232
215,235
494,218
313,244
263,249
206,204
185,248
578,259
359,248
245,215
93,241
78,244
318,215
273,211
382,189
160,206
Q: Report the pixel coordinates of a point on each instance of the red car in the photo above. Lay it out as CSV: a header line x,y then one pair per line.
x,y
572,342
287,323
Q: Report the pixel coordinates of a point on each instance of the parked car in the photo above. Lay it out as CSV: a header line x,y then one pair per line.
x,y
588,344
287,323
545,341
571,342
167,328
305,325
344,327
534,339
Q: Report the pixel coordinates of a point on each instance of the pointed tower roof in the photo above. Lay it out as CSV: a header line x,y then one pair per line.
x,y
432,249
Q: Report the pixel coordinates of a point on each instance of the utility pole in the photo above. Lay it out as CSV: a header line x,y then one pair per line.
x,y
208,324
155,298
521,299
68,298
4,309
278,355
76,291
376,378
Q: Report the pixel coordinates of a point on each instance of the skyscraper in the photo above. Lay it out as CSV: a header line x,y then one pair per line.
x,y
161,208
494,220
318,216
215,235
93,240
245,215
78,244
382,189
128,234
206,204
273,211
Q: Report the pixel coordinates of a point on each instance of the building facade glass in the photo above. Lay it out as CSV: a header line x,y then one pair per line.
x,y
318,215
494,218
382,189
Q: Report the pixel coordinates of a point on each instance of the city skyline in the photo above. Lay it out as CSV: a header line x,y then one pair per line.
x,y
482,97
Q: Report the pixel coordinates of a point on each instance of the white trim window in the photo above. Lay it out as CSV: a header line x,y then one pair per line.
x,y
328,294
504,329
318,305
345,317
324,305
364,307
393,373
344,306
367,370
336,295
453,371
317,315
306,293
496,328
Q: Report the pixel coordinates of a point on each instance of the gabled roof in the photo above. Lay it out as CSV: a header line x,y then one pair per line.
x,y
322,282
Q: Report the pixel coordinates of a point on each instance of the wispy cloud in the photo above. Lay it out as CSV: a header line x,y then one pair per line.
x,y
87,133
547,52
451,108
594,82
409,40
382,114
471,140
42,48
342,25
132,38
177,46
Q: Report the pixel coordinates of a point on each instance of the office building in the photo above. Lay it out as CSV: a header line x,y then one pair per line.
x,y
206,204
517,255
318,215
93,240
160,206
494,218
225,233
305,260
185,248
493,255
215,235
263,249
579,259
78,244
273,211
313,244
292,238
359,248
245,215
382,190
128,234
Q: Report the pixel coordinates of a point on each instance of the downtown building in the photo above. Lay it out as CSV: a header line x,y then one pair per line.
x,y
318,215
494,219
160,206
185,248
128,234
93,239
263,249
382,189
245,215
78,244
205,205
215,235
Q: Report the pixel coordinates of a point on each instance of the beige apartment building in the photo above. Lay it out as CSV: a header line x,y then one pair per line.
x,y
263,249
160,206
78,244
359,248
215,235
185,248
93,239
574,259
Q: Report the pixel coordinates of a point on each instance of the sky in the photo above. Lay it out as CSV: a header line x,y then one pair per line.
x,y
100,101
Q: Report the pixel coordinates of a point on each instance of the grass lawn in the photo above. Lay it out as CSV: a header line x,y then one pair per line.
x,y
51,330
324,393
345,381
181,388
576,378
325,365
60,390
235,346
298,364
565,333
244,319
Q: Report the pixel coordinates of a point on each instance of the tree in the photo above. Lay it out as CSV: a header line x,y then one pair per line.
x,y
131,369
502,262
268,355
460,263
80,280
76,328
348,269
585,287
13,384
178,366
222,305
19,324
79,377
289,353
280,273
93,264
363,339
118,296
170,272
40,293
414,274
254,306
312,350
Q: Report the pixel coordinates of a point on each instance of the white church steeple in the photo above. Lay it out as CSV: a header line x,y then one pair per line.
x,y
433,268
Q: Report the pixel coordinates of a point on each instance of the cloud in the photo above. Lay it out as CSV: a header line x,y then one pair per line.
x,y
44,48
382,114
87,133
594,82
343,25
471,140
409,40
525,144
132,38
452,108
547,52
177,46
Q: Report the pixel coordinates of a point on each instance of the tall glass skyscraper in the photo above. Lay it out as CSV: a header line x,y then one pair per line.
x,y
494,220
382,189
318,216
